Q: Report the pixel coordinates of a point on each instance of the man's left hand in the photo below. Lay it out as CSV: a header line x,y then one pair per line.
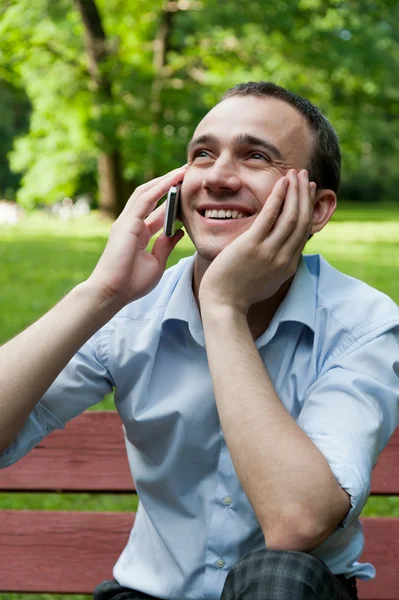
x,y
258,262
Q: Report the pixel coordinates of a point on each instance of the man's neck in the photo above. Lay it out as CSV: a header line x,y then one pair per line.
x,y
260,314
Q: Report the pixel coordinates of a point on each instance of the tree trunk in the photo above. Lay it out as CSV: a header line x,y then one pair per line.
x,y
111,185
161,48
109,166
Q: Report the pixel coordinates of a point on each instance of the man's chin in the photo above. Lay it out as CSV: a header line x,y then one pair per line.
x,y
209,253
209,246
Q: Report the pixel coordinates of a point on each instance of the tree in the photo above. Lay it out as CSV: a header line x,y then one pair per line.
x,y
110,175
14,121
117,87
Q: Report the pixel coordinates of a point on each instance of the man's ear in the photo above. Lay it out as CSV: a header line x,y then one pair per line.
x,y
324,207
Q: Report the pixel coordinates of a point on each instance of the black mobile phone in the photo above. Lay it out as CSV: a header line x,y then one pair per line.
x,y
172,210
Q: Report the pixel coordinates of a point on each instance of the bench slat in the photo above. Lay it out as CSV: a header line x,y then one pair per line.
x,y
88,455
58,551
381,549
71,552
385,479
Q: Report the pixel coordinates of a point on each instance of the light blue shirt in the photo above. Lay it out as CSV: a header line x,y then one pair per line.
x,y
332,352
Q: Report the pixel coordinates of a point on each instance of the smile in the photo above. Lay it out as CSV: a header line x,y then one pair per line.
x,y
223,214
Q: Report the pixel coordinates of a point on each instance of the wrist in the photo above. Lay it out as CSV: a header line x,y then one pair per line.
x,y
103,306
216,313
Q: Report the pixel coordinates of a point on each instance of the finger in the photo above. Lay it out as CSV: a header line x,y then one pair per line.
x,y
156,219
295,243
302,232
305,206
313,191
163,247
149,184
288,219
296,255
145,187
269,214
296,213
146,202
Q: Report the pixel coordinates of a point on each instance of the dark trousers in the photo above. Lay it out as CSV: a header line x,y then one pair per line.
x,y
264,575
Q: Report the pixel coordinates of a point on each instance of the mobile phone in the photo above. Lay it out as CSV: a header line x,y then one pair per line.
x,y
172,210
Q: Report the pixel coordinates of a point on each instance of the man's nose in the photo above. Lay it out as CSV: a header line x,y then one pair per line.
x,y
222,176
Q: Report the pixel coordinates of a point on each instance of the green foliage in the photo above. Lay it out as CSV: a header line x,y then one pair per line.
x,y
58,149
343,56
14,120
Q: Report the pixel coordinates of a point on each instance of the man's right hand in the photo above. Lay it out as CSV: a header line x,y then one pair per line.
x,y
30,362
125,271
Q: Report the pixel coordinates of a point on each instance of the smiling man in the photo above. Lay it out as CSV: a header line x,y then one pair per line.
x,y
254,398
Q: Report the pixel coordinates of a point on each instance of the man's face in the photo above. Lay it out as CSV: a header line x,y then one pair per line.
x,y
238,152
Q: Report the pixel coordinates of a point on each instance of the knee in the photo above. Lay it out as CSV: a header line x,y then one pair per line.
x,y
278,573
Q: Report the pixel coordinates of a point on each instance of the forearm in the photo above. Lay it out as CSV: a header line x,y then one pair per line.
x,y
286,478
30,362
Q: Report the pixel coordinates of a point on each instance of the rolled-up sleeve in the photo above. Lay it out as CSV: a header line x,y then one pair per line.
x,y
84,382
351,411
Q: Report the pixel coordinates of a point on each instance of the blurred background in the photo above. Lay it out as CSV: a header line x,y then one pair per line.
x,y
97,97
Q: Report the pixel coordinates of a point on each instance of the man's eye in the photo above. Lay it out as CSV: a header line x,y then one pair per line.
x,y
259,156
201,154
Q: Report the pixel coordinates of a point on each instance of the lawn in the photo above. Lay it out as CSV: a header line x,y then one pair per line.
x,y
42,259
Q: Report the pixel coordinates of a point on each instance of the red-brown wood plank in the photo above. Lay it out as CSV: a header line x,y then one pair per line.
x,y
385,479
382,550
65,552
71,552
88,455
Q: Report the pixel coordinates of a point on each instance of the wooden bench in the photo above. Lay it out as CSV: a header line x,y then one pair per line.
x,y
71,552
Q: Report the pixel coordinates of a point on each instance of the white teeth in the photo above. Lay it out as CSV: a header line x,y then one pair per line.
x,y
223,214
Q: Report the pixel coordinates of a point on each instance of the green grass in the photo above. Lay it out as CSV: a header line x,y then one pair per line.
x,y
351,211
42,259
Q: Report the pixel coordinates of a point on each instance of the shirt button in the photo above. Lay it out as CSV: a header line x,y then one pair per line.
x,y
227,500
220,563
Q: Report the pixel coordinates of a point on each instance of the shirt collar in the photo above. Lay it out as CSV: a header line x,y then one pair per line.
x,y
182,305
179,304
299,304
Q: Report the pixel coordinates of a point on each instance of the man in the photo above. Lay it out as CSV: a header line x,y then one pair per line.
x,y
256,387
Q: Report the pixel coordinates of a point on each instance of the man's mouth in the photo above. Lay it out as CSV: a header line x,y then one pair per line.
x,y
224,214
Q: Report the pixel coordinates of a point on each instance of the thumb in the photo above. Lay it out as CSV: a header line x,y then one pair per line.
x,y
164,245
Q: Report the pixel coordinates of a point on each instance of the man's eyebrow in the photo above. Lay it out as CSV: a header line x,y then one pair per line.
x,y
252,140
207,138
243,138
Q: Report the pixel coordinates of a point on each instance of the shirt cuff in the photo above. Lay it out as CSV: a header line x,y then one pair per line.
x,y
40,422
352,477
